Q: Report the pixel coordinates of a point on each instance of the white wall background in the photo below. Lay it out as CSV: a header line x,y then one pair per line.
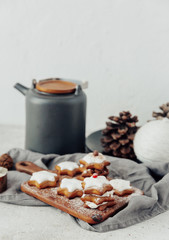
x,y
120,47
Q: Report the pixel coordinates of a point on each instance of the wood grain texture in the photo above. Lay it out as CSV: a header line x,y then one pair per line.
x,y
75,206
55,86
29,167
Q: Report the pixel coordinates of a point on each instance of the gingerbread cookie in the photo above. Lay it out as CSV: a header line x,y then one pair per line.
x,y
87,173
70,188
82,168
68,168
94,160
121,187
100,207
43,179
106,197
90,172
61,177
103,172
79,177
96,185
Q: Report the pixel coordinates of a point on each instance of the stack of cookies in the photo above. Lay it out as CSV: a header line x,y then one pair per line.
x,y
86,180
100,193
97,192
94,162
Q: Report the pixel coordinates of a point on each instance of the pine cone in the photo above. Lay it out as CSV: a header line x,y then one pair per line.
x,y
6,161
119,135
164,113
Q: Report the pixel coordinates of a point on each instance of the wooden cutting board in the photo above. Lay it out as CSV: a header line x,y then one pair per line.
x,y
72,206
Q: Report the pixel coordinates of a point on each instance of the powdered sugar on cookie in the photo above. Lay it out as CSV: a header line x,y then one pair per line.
x,y
68,165
97,183
71,184
43,176
106,194
93,205
120,184
91,158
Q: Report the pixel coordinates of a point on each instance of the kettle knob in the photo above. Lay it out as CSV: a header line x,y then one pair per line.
x,y
34,82
78,89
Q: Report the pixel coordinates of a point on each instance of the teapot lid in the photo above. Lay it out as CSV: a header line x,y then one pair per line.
x,y
55,86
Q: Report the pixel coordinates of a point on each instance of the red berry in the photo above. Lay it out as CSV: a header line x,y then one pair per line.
x,y
95,175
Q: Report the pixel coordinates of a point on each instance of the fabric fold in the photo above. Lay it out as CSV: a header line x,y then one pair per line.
x,y
153,179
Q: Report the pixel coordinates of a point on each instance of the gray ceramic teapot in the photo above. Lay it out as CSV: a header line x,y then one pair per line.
x,y
55,116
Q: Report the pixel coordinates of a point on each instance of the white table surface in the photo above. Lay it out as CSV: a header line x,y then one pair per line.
x,y
47,223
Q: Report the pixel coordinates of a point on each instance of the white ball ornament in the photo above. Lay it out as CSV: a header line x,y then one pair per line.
x,y
151,142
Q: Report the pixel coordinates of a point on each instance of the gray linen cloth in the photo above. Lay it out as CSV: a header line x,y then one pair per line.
x,y
152,179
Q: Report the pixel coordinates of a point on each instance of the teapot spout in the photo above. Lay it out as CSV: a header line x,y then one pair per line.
x,y
21,88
